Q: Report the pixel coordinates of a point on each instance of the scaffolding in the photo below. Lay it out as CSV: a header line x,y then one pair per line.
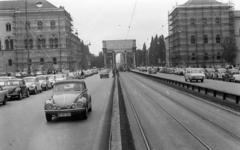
x,y
209,21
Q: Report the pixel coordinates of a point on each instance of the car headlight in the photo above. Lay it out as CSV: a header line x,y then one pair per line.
x,y
74,106
48,106
80,104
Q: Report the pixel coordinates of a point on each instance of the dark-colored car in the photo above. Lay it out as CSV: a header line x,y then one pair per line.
x,y
16,88
104,73
209,73
69,98
229,74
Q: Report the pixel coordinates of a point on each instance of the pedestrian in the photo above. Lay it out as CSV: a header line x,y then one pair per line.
x,y
117,72
113,73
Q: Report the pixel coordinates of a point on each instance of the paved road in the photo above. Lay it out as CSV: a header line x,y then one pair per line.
x,y
23,125
163,131
215,84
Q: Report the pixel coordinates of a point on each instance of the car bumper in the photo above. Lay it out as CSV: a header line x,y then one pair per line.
x,y
72,111
13,94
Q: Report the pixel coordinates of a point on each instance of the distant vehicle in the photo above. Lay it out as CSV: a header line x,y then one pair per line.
x,y
236,77
194,74
209,73
229,74
3,96
60,77
69,98
16,88
33,85
104,73
44,82
152,70
52,79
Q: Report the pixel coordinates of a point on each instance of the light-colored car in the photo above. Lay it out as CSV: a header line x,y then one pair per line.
x,y
33,85
104,73
194,74
52,79
44,81
152,70
69,98
61,76
5,78
236,77
3,96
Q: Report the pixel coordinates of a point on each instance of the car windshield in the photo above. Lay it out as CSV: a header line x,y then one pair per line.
x,y
29,80
67,87
104,71
11,82
210,70
222,70
42,78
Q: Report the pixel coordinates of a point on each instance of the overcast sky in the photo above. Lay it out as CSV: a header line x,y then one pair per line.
x,y
98,20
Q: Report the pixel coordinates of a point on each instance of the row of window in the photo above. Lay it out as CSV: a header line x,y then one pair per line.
x,y
8,44
28,24
10,63
205,39
204,20
205,56
41,43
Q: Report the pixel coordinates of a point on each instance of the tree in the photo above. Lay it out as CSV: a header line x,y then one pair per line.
x,y
229,50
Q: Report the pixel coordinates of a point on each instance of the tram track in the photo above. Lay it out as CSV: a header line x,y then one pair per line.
x,y
175,118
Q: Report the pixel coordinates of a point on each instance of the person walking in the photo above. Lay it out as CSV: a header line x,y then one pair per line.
x,y
113,73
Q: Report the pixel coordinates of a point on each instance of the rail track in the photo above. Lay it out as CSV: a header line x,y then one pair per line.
x,y
175,118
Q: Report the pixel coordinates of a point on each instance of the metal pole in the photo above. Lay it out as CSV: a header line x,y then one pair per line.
x,y
26,26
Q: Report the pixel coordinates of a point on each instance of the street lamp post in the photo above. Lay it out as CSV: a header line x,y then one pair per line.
x,y
38,4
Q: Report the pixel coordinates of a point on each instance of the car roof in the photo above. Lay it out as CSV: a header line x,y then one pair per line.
x,y
68,81
15,79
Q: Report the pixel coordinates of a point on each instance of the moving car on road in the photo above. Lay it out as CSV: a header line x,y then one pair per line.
x,y
3,96
69,98
33,84
104,73
152,70
209,73
229,74
16,88
194,74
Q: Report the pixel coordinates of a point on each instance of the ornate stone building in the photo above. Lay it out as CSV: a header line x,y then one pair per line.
x,y
196,31
42,34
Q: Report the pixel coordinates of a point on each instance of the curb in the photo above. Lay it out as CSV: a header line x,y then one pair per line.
x,y
115,142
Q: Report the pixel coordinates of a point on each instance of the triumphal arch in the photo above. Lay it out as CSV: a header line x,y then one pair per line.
x,y
126,47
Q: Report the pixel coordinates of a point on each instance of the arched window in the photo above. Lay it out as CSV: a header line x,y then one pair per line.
x,y
28,44
8,27
40,25
41,61
192,39
218,40
53,25
204,20
11,44
206,56
192,21
54,60
9,62
51,42
218,56
31,43
7,44
217,20
193,56
56,42
41,42
205,39
28,24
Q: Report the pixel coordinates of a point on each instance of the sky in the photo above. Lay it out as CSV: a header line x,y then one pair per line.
x,y
98,20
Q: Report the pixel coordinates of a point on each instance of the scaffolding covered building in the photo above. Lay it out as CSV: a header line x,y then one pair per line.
x,y
196,31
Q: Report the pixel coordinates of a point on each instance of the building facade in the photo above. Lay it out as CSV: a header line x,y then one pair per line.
x,y
237,34
44,35
196,31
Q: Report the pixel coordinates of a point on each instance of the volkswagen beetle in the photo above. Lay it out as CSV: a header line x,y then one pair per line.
x,y
69,98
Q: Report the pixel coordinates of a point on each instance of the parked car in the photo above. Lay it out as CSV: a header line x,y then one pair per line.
x,y
152,70
229,74
194,74
4,79
69,98
3,96
17,88
52,79
33,85
219,73
104,73
44,82
236,77
209,73
61,76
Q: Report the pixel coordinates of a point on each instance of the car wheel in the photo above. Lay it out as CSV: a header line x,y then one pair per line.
x,y
85,113
46,88
202,80
90,109
48,117
27,93
190,80
185,79
40,91
35,91
4,101
20,96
